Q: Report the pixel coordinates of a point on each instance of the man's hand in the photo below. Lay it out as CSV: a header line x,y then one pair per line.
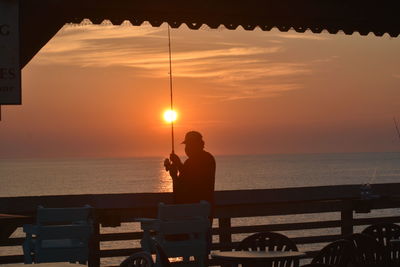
x,y
175,160
171,168
167,164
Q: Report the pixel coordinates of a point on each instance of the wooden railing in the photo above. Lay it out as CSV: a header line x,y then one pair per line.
x,y
339,202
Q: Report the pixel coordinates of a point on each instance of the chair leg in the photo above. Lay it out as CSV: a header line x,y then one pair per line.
x,y
27,248
201,260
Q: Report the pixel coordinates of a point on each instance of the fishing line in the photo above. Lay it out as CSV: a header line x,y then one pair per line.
x,y
170,89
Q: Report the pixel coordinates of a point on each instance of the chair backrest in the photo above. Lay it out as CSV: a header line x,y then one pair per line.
x,y
190,219
138,259
383,232
62,223
60,235
270,241
183,230
183,211
53,232
337,253
52,216
267,241
368,252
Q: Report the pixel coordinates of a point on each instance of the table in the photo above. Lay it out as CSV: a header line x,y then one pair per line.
x,y
10,222
50,264
251,257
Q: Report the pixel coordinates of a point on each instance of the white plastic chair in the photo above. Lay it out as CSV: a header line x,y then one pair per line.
x,y
60,235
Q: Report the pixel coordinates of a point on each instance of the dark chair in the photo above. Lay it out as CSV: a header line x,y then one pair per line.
x,y
139,259
337,254
270,241
368,252
383,233
59,235
181,230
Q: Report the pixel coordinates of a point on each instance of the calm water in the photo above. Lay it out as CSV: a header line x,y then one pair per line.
x,y
90,176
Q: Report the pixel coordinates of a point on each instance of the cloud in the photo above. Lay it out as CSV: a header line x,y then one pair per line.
x,y
98,46
303,36
201,124
253,90
229,64
271,90
142,47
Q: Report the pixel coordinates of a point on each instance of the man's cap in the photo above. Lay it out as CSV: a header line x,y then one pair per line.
x,y
193,137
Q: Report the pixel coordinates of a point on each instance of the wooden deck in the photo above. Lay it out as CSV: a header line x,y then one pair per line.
x,y
340,202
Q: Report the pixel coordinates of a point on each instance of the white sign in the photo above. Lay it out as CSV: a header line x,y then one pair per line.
x,y
10,72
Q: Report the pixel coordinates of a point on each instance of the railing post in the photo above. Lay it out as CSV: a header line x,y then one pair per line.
x,y
94,247
346,217
225,236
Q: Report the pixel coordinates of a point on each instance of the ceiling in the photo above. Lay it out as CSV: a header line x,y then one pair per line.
x,y
40,20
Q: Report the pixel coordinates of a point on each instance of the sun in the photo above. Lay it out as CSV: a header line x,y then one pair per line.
x,y
170,116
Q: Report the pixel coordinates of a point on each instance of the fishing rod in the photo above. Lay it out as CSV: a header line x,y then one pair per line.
x,y
170,89
397,127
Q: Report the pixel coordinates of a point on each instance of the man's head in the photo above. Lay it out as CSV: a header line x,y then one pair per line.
x,y
193,143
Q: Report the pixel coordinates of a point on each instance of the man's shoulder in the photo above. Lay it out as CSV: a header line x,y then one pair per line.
x,y
208,156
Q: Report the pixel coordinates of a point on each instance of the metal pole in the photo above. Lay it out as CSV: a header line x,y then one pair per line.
x,y
170,89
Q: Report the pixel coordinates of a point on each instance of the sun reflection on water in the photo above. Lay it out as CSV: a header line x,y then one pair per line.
x,y
165,181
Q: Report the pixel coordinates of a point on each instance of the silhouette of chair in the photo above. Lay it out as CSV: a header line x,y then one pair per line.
x,y
270,241
383,233
180,230
144,259
368,252
138,259
59,235
337,254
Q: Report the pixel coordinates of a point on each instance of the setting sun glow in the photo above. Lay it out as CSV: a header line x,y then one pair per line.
x,y
170,116
247,92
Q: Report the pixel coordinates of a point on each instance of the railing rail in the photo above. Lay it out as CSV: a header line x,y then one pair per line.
x,y
112,209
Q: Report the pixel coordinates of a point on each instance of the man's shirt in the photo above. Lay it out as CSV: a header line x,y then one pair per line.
x,y
196,180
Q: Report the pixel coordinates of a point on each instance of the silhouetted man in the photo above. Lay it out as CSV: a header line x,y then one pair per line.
x,y
194,179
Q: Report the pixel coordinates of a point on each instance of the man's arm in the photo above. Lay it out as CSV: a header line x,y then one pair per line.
x,y
176,161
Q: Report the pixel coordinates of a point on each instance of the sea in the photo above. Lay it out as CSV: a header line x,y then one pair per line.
x,y
35,177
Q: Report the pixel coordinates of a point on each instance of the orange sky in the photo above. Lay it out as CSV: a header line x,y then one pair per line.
x,y
101,90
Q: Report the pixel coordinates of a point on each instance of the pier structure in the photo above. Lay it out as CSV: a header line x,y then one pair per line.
x,y
40,20
340,202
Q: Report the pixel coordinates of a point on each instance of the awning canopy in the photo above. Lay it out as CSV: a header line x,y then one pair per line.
x,y
40,20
